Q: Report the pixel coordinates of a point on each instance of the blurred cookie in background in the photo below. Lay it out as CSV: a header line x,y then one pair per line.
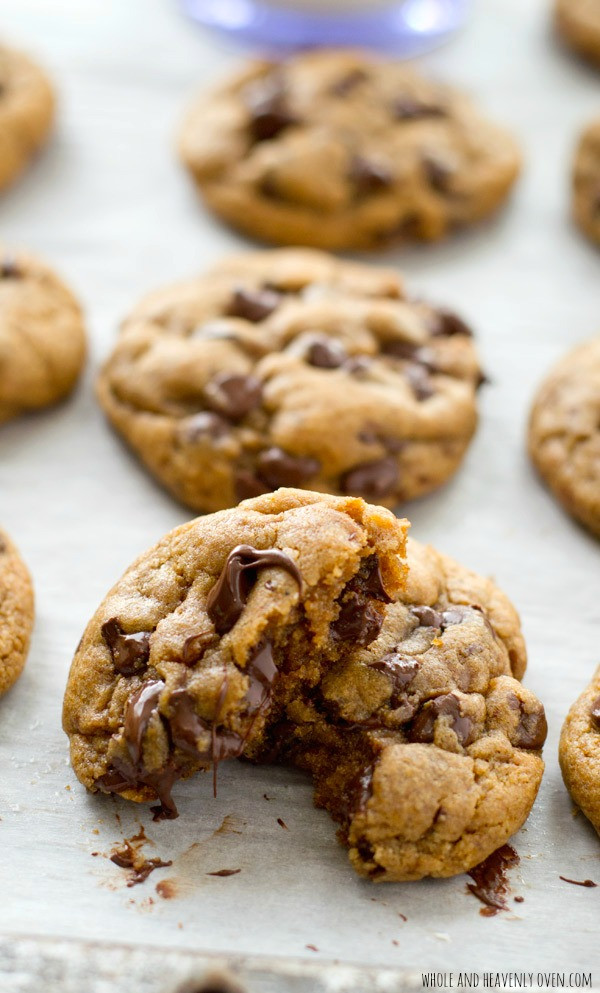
x,y
293,368
337,150
564,433
27,107
16,613
586,181
578,24
42,337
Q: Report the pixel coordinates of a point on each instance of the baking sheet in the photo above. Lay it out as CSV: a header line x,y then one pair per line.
x,y
109,206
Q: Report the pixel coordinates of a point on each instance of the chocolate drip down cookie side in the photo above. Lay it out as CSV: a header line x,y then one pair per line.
x,y
335,150
293,368
287,630
16,613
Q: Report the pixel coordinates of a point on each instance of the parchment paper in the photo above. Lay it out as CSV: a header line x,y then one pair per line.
x,y
108,205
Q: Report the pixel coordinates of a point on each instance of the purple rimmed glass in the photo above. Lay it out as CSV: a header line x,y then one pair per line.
x,y
404,27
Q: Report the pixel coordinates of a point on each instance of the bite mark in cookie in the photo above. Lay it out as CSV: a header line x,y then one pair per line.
x,y
422,743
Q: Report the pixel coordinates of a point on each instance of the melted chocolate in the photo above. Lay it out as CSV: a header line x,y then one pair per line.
x,y
247,485
140,707
588,883
129,652
228,596
419,381
490,883
422,728
186,727
439,174
195,646
369,580
359,620
262,673
595,713
401,670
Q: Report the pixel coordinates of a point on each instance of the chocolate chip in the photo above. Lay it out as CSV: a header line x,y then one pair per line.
x,y
372,479
247,485
428,617
532,728
445,324
262,673
205,425
232,395
185,724
419,381
369,580
140,707
356,795
228,596
423,726
9,269
401,670
369,176
409,108
279,468
438,173
270,113
411,352
359,621
195,646
326,353
253,305
595,713
358,365
129,652
349,82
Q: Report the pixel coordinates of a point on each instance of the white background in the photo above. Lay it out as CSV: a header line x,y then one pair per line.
x,y
108,205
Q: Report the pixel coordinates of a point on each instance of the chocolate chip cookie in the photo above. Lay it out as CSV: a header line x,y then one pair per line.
x,y
586,181
338,151
564,433
42,340
578,24
579,751
286,630
16,613
26,112
292,368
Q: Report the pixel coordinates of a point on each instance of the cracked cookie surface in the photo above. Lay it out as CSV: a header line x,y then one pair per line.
x,y
286,630
564,433
578,24
16,613
579,751
293,368
26,112
337,151
42,339
586,181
